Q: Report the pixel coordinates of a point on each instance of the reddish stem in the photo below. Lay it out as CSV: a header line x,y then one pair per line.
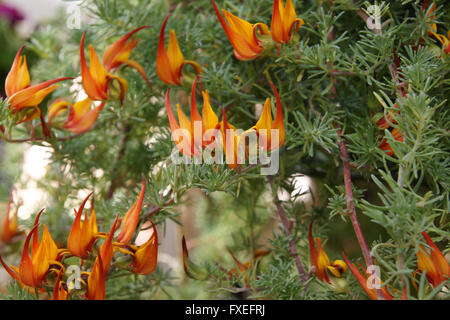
x,y
350,203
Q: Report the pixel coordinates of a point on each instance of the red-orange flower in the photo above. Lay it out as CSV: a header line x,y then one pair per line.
x,y
385,146
242,34
33,269
96,288
433,262
9,229
284,20
189,139
265,124
97,276
131,219
19,92
97,78
107,249
320,260
145,256
444,41
83,233
230,142
60,291
371,292
170,62
81,115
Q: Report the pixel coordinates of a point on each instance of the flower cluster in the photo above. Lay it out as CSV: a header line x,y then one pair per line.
x,y
205,131
46,258
244,35
100,84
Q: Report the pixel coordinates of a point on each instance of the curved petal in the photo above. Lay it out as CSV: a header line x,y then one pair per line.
x,y
165,67
95,91
119,52
18,77
131,219
146,257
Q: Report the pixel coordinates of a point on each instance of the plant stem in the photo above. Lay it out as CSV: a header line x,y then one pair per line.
x,y
156,209
350,201
286,227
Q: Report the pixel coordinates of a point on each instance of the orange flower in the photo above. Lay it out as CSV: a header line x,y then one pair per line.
x,y
242,34
170,63
191,143
385,146
97,77
145,257
131,219
19,92
284,20
444,41
363,282
107,249
83,233
32,270
9,229
433,262
230,142
119,53
245,269
59,290
265,123
96,279
96,289
81,116
320,260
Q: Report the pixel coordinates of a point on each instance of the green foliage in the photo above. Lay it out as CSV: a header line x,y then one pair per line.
x,y
336,79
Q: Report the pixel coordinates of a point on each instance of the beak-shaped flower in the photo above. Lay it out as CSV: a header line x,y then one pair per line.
x,y
245,269
242,34
32,270
371,292
230,142
96,280
83,233
81,117
119,53
131,219
97,78
284,20
107,249
444,41
170,62
319,259
433,262
9,229
146,256
18,90
265,125
190,144
60,289
96,289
